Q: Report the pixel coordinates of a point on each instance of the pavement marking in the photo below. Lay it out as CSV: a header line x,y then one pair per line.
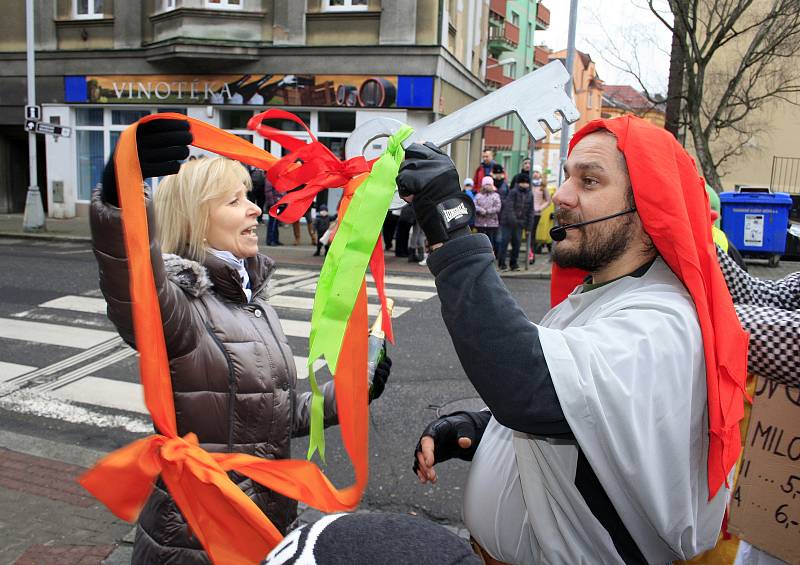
x,y
12,370
52,334
107,393
281,272
302,369
406,281
77,303
82,372
394,293
296,328
306,303
73,252
68,362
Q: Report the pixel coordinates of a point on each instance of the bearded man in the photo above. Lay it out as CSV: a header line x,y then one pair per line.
x,y
612,425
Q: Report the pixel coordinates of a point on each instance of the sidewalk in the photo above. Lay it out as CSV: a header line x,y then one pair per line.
x,y
77,230
47,517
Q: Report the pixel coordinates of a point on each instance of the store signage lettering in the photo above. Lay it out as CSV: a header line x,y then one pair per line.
x,y
361,91
162,90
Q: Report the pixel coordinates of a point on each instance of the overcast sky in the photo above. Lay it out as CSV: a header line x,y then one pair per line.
x,y
633,29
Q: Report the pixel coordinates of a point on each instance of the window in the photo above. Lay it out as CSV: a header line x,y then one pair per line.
x,y
86,9
515,18
337,121
589,99
529,35
168,4
344,5
510,70
224,4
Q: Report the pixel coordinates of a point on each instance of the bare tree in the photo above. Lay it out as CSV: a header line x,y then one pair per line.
x,y
738,57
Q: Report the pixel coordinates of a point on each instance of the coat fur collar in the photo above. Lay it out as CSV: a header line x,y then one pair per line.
x,y
196,279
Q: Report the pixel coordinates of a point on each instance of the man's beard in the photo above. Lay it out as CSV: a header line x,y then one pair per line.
x,y
598,247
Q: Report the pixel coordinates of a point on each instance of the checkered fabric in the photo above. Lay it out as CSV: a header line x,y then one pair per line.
x,y
770,312
746,289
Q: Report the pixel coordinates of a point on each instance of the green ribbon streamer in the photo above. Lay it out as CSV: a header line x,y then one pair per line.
x,y
344,269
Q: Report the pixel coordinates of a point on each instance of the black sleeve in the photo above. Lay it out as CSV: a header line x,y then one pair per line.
x,y
498,346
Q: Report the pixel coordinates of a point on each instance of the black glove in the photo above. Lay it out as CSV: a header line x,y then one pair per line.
x,y
446,432
382,370
161,145
443,210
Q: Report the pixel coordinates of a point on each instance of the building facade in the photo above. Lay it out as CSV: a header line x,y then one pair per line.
x,y
103,64
587,93
513,54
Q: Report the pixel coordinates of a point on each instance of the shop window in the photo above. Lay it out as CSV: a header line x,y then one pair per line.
x,y
344,122
127,117
86,9
335,144
344,5
90,161
89,117
234,119
224,4
288,125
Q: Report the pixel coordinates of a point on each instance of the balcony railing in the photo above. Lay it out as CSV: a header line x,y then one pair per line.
x,y
497,138
541,57
494,74
497,10
503,38
542,16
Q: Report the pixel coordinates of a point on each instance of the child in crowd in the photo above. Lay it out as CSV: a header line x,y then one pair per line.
x,y
322,223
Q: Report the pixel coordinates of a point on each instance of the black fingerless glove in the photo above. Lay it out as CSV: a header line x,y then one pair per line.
x,y
382,370
446,432
161,145
443,210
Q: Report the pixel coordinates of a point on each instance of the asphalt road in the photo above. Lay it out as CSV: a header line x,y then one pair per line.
x,y
426,377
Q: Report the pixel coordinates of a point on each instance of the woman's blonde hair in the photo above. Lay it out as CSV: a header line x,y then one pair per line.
x,y
182,202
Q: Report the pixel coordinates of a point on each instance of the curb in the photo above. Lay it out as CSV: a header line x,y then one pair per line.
x,y
45,236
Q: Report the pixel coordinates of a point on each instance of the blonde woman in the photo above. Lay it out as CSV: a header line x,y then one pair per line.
x,y
233,373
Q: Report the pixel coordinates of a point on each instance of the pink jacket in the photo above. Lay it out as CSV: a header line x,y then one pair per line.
x,y
487,206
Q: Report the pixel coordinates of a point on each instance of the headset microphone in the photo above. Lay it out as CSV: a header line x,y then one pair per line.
x,y
558,233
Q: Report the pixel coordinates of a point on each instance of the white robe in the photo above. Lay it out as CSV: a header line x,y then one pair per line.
x,y
628,366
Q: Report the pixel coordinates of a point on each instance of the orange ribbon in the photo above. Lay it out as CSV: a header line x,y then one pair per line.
x,y
231,528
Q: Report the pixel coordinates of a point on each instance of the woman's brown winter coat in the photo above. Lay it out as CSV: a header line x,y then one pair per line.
x,y
233,373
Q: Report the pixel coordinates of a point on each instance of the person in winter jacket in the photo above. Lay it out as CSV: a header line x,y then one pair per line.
x,y
517,214
233,372
487,208
486,165
321,224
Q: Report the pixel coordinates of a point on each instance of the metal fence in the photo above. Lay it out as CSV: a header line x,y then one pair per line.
x,y
785,175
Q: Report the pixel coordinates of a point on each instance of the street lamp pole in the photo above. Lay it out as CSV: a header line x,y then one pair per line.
x,y
33,220
573,21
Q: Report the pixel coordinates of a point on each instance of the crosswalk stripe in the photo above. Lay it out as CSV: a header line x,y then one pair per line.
x,y
296,328
306,303
77,304
52,334
85,370
108,393
302,368
288,272
11,370
394,293
406,281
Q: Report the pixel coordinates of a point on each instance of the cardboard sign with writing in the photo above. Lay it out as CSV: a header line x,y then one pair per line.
x,y
765,507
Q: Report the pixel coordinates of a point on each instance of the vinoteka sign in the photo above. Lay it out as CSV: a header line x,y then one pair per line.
x,y
363,91
765,506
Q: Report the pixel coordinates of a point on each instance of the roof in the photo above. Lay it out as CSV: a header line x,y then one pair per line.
x,y
626,97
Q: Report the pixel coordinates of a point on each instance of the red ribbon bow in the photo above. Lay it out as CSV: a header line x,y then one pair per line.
x,y
308,168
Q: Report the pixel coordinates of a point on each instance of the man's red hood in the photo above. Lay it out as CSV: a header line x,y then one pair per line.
x,y
672,202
